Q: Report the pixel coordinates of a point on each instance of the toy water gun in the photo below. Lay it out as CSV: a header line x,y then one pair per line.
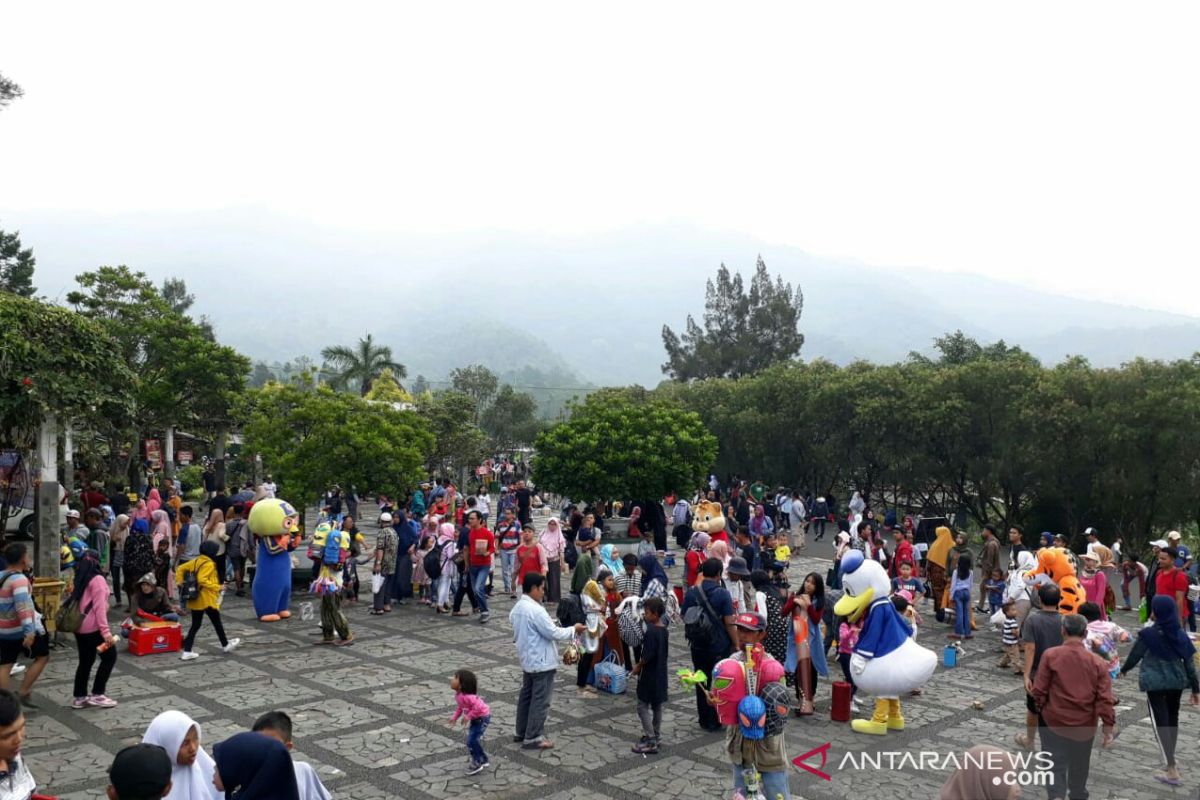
x,y
692,677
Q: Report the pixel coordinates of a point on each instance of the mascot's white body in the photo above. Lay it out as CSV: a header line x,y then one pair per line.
x,y
887,662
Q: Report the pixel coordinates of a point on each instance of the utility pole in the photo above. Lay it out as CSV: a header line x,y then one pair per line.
x,y
46,545
169,452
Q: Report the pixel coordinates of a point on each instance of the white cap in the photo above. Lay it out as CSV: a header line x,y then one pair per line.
x,y
1158,543
1174,535
72,513
385,518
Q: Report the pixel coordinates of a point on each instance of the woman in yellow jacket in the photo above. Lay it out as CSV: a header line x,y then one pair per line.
x,y
207,600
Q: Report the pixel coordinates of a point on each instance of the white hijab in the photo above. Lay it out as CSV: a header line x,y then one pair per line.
x,y
168,730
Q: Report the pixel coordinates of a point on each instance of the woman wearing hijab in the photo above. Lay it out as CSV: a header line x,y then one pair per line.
x,y
982,776
448,540
841,547
654,578
163,544
140,511
554,547
191,767
138,559
581,574
610,559
250,766
207,602
719,550
776,642
153,500
408,540
760,525
90,593
118,532
697,552
1167,668
1017,590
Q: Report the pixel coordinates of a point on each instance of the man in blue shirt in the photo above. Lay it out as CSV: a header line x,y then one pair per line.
x,y
535,635
705,655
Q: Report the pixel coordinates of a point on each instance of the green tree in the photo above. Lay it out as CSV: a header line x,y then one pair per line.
x,y
477,382
9,91
16,265
458,442
743,333
420,386
260,375
359,366
311,439
53,360
387,389
181,376
623,443
511,420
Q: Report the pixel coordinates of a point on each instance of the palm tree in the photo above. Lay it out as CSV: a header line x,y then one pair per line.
x,y
360,365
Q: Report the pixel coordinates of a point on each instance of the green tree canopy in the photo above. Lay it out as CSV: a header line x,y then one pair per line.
x,y
359,366
386,389
511,420
311,439
622,443
743,333
458,441
16,265
53,360
477,382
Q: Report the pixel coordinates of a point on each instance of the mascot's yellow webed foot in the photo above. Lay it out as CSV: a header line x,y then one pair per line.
x,y
886,662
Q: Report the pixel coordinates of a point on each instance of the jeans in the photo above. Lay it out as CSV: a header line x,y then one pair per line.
x,y
1071,760
475,731
773,784
962,613
197,618
1164,713
508,560
533,705
87,644
479,576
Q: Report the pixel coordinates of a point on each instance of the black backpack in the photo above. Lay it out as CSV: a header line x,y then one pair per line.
x,y
190,590
699,627
433,562
570,611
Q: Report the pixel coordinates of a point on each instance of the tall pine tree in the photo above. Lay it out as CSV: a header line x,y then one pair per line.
x,y
16,266
743,332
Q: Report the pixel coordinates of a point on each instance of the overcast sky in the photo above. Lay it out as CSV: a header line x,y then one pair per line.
x,y
1052,144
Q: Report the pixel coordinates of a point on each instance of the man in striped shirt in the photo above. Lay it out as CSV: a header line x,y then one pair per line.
x,y
21,631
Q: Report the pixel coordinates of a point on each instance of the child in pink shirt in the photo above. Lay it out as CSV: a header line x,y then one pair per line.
x,y
475,714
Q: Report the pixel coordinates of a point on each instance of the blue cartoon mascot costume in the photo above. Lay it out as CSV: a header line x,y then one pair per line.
x,y
887,662
274,523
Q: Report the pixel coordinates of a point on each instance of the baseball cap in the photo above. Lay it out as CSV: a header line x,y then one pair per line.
x,y
140,772
73,513
1158,543
1174,535
737,566
751,622
385,518
1091,532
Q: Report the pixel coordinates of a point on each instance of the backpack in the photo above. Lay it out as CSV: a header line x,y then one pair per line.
x,y
190,588
433,562
333,555
699,626
570,611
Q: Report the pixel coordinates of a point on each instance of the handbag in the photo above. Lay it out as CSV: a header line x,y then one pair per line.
x,y
376,583
629,622
610,675
1143,611
68,618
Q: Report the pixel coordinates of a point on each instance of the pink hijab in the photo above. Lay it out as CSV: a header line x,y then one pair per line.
x,y
140,511
153,501
162,527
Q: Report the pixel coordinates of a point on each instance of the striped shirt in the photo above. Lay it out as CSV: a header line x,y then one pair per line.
x,y
17,619
1011,631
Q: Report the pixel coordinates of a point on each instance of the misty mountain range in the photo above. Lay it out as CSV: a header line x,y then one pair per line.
x,y
559,313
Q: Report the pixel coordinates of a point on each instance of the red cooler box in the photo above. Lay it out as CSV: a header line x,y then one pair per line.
x,y
155,637
840,710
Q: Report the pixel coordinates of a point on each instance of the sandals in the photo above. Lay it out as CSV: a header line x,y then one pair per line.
x,y
459,614
375,613
1168,780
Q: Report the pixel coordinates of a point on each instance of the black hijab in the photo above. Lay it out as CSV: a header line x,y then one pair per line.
x,y
255,767
87,566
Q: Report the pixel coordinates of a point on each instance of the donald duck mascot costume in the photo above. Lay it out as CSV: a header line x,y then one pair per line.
x,y
886,662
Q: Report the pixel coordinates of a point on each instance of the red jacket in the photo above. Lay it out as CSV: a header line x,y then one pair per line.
x,y
904,555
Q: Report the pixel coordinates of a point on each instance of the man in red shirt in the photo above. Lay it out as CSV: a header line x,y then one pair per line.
x,y
904,553
93,497
481,551
1171,581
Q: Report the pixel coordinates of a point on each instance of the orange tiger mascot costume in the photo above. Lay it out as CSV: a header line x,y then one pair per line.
x,y
1053,561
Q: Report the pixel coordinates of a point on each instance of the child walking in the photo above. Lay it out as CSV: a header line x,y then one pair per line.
x,y
1011,638
475,714
847,640
960,595
420,579
995,589
652,676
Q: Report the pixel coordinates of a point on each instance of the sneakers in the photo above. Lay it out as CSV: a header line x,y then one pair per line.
x,y
101,701
484,617
17,669
79,702
188,655
233,645
475,769
646,747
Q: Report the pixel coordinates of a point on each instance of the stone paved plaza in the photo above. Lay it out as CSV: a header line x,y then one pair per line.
x,y
371,717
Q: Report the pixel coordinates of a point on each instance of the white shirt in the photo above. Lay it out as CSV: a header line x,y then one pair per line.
x,y
269,489
309,784
19,784
483,504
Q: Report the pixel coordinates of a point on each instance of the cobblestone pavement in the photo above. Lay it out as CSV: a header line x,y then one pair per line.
x,y
371,718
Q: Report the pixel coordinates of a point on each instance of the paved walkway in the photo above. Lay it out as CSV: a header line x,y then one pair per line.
x,y
371,717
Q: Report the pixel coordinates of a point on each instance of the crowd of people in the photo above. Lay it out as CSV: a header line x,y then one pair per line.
x,y
438,546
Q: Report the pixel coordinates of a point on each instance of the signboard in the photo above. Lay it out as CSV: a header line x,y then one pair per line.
x,y
481,471
154,453
184,457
